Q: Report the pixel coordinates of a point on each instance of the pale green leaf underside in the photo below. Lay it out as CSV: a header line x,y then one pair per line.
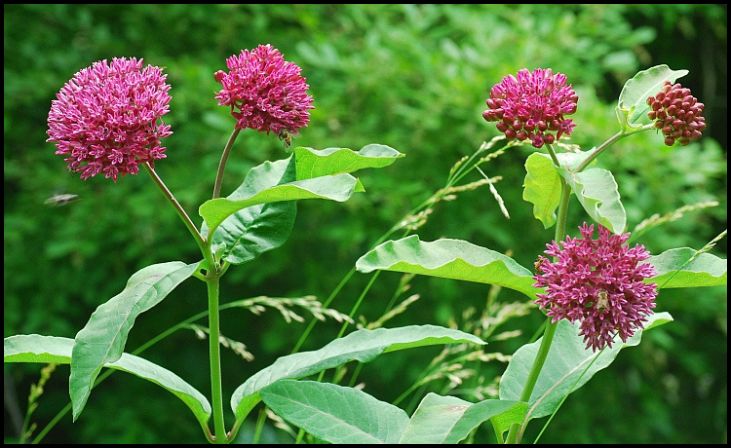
x,y
646,83
104,336
336,414
542,188
675,271
35,348
361,345
448,420
339,187
598,193
566,361
315,163
448,258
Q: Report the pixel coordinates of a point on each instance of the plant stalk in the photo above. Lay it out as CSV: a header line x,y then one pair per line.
x,y
222,163
214,349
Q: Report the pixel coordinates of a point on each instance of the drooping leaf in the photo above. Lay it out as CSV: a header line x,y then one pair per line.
x,y
565,369
315,163
361,345
597,191
251,231
440,419
632,107
676,268
448,258
336,414
34,348
339,187
542,188
103,338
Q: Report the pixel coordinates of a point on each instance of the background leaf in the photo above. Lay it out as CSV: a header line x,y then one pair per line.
x,y
315,163
34,348
104,336
597,191
646,83
567,360
336,414
542,188
675,270
448,258
361,346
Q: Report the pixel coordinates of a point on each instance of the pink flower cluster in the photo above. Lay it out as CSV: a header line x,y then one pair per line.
x,y
264,91
532,106
677,113
107,118
599,283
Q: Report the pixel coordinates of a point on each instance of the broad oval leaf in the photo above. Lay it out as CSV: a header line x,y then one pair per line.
x,y
104,336
685,268
260,228
598,193
361,345
315,163
34,348
440,419
569,366
542,188
632,107
339,187
336,414
448,258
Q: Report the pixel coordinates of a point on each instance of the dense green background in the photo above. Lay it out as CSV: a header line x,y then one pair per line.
x,y
413,77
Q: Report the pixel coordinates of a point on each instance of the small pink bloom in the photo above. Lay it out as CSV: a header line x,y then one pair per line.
x,y
107,118
599,283
264,91
677,113
532,106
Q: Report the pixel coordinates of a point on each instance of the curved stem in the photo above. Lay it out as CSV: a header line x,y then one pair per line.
x,y
222,163
600,149
214,349
178,208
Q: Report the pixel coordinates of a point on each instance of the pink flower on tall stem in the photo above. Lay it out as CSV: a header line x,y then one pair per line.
x,y
598,283
107,118
265,92
532,106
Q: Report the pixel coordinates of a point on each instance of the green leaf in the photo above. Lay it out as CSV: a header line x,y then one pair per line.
x,y
254,230
677,268
361,345
339,187
567,360
632,107
315,163
35,348
440,420
542,188
103,338
597,191
448,258
336,414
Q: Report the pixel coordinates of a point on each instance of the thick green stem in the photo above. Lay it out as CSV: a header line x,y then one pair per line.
x,y
214,349
222,163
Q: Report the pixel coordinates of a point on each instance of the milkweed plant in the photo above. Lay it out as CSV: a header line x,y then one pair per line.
x,y
596,286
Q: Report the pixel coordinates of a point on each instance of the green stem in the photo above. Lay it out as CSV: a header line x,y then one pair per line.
x,y
259,426
222,163
610,141
214,349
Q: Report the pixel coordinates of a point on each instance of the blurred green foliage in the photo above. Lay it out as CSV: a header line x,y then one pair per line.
x,y
412,77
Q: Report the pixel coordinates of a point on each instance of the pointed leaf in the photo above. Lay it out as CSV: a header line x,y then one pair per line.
x,y
440,420
336,414
448,258
632,107
566,363
35,348
315,163
103,338
597,191
676,268
361,345
542,188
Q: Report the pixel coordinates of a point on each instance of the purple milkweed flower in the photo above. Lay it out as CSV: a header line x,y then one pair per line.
x,y
677,113
264,91
532,106
107,118
597,282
